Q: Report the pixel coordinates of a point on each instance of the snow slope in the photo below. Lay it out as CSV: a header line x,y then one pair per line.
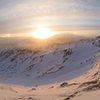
x,y
84,87
75,58
55,64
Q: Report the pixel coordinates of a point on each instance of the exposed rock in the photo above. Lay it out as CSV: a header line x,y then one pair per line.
x,y
71,96
88,83
64,84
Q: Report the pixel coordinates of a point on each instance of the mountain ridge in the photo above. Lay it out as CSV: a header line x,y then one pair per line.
x,y
31,67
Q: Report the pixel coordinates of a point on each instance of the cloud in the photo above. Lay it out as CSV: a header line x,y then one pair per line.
x,y
20,14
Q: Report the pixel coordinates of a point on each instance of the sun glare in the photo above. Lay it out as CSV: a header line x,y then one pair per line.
x,y
42,33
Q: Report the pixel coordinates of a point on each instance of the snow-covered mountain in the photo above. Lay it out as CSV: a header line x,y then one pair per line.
x,y
55,64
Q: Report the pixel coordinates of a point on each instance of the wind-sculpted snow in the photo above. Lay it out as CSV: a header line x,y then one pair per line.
x,y
58,63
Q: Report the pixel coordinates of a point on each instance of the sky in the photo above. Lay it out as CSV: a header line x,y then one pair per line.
x,y
22,16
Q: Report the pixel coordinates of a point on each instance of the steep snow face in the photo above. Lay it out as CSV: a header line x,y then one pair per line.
x,y
56,64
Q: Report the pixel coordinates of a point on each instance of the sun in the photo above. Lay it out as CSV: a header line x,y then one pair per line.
x,y
42,33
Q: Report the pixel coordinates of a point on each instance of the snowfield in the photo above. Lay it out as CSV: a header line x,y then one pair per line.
x,y
62,72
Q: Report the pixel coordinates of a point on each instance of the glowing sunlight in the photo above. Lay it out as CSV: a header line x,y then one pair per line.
x,y
42,33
